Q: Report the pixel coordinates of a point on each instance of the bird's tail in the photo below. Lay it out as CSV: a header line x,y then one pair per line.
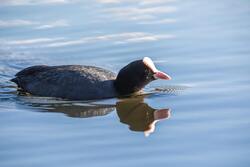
x,y
14,80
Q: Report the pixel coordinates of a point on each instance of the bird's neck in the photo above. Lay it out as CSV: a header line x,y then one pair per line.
x,y
124,88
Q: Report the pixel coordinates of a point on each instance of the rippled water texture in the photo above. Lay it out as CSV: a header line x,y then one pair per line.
x,y
200,118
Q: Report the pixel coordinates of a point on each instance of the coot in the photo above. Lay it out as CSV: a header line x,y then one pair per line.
x,y
77,82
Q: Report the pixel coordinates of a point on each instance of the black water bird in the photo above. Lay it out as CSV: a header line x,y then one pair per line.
x,y
77,82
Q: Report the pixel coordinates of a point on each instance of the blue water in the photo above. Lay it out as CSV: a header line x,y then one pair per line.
x,y
202,45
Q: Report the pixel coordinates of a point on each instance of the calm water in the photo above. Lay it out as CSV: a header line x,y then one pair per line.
x,y
204,111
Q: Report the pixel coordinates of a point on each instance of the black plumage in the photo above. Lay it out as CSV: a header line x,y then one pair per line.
x,y
70,81
77,82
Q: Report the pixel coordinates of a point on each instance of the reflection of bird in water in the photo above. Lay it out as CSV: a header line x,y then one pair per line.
x,y
82,111
134,112
69,108
139,115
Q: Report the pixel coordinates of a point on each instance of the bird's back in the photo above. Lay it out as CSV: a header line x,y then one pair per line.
x,y
70,81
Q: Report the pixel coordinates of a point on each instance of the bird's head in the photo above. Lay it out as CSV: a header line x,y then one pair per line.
x,y
137,74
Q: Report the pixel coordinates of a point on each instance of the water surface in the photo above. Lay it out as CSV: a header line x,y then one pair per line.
x,y
201,117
